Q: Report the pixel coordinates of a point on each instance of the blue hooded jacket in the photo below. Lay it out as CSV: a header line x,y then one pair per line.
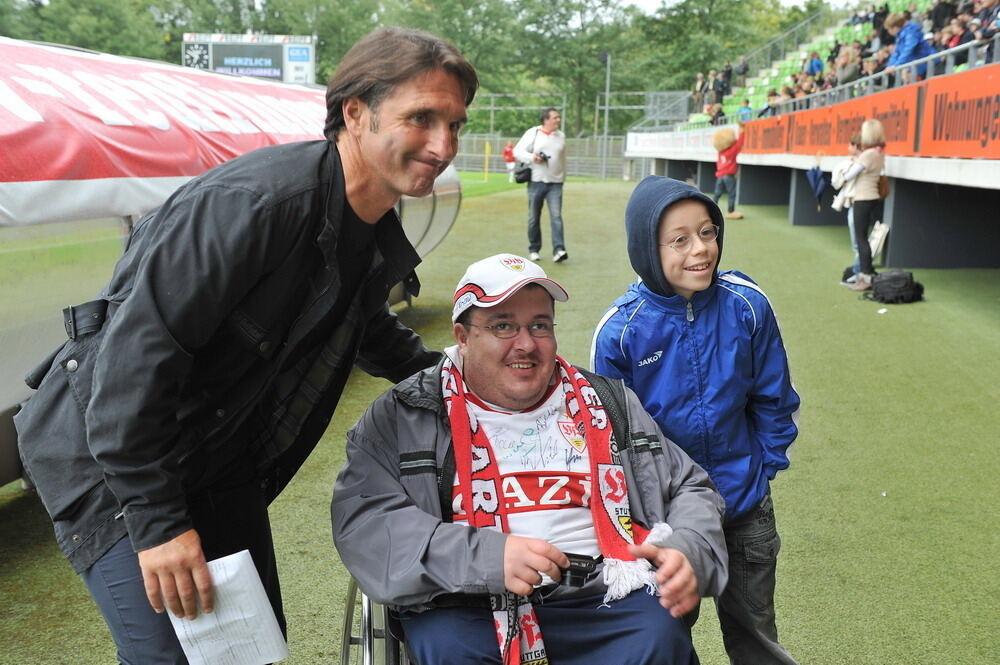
x,y
711,371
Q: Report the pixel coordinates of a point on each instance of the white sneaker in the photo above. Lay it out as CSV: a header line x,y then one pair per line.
x,y
534,256
560,256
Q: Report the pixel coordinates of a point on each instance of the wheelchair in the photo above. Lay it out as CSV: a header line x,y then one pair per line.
x,y
370,637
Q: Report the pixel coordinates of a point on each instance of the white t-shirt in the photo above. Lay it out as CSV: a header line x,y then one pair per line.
x,y
545,472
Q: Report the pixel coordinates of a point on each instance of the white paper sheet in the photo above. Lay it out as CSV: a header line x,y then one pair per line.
x,y
242,630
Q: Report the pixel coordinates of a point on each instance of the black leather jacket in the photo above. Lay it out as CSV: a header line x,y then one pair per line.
x,y
217,289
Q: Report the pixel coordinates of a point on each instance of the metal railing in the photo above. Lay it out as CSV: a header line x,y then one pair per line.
x,y
971,55
763,57
974,54
670,107
758,60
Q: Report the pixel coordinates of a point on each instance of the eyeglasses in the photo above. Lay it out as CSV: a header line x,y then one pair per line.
x,y
682,243
507,330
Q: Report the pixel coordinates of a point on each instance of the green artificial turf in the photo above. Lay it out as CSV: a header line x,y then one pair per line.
x,y
888,514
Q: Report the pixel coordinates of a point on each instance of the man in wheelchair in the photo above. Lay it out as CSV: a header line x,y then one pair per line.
x,y
512,508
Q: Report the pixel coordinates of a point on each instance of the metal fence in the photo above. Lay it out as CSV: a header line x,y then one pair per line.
x,y
583,156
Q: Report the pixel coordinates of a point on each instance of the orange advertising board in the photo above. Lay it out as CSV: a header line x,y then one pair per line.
x,y
949,116
962,113
768,135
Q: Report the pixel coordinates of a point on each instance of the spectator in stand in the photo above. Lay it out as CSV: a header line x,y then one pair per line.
x,y
727,76
848,67
710,88
867,202
989,18
829,81
878,19
745,113
881,57
959,34
874,42
741,71
941,13
698,91
941,38
720,88
870,67
814,66
771,109
729,146
716,115
910,44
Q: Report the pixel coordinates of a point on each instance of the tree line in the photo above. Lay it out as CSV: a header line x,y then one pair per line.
x,y
538,47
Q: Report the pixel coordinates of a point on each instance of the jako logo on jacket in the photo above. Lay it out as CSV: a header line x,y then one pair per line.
x,y
652,359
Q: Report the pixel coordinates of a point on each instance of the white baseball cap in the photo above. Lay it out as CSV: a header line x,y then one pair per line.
x,y
489,282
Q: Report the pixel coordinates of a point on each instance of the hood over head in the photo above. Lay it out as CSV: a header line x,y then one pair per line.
x,y
642,220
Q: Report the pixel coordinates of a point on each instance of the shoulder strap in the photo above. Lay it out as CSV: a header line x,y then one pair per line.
x,y
611,392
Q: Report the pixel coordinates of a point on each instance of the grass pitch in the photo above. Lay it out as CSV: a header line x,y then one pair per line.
x,y
888,514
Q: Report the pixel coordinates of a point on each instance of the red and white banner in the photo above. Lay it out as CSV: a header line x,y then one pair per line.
x,y
85,135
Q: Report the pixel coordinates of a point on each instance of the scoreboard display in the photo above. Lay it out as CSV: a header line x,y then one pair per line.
x,y
288,58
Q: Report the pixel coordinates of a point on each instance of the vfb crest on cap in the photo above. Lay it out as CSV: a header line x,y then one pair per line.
x,y
513,262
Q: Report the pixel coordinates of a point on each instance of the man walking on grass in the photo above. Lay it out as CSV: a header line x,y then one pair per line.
x,y
544,148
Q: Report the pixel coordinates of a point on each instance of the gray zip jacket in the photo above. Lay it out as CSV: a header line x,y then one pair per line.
x,y
391,498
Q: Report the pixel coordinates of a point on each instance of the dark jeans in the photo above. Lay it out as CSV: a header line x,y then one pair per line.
x,y
866,213
746,606
577,631
227,521
728,184
549,193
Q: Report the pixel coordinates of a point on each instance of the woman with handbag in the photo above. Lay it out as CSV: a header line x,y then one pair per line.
x,y
867,174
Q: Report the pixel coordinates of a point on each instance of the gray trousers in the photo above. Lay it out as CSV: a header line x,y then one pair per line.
x,y
746,606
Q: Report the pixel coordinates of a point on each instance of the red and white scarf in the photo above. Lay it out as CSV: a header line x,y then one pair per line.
x,y
482,502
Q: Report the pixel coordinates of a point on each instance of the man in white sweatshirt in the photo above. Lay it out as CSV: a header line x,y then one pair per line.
x,y
544,148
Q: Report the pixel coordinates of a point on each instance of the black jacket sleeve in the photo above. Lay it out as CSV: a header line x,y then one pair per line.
x,y
391,350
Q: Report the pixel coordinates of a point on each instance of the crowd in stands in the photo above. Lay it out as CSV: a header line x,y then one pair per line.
x,y
895,39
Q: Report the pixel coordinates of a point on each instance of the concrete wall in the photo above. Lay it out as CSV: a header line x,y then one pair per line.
x,y
942,226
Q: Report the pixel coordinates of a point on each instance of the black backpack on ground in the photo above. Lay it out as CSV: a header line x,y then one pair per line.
x,y
894,287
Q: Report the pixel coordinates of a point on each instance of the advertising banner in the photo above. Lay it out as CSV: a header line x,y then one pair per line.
x,y
955,116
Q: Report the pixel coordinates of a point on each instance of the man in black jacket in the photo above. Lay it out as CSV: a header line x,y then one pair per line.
x,y
190,393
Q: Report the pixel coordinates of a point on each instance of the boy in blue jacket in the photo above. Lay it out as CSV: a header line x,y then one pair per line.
x,y
703,351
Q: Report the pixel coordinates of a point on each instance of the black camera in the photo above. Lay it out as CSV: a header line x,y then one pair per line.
x,y
543,156
581,569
